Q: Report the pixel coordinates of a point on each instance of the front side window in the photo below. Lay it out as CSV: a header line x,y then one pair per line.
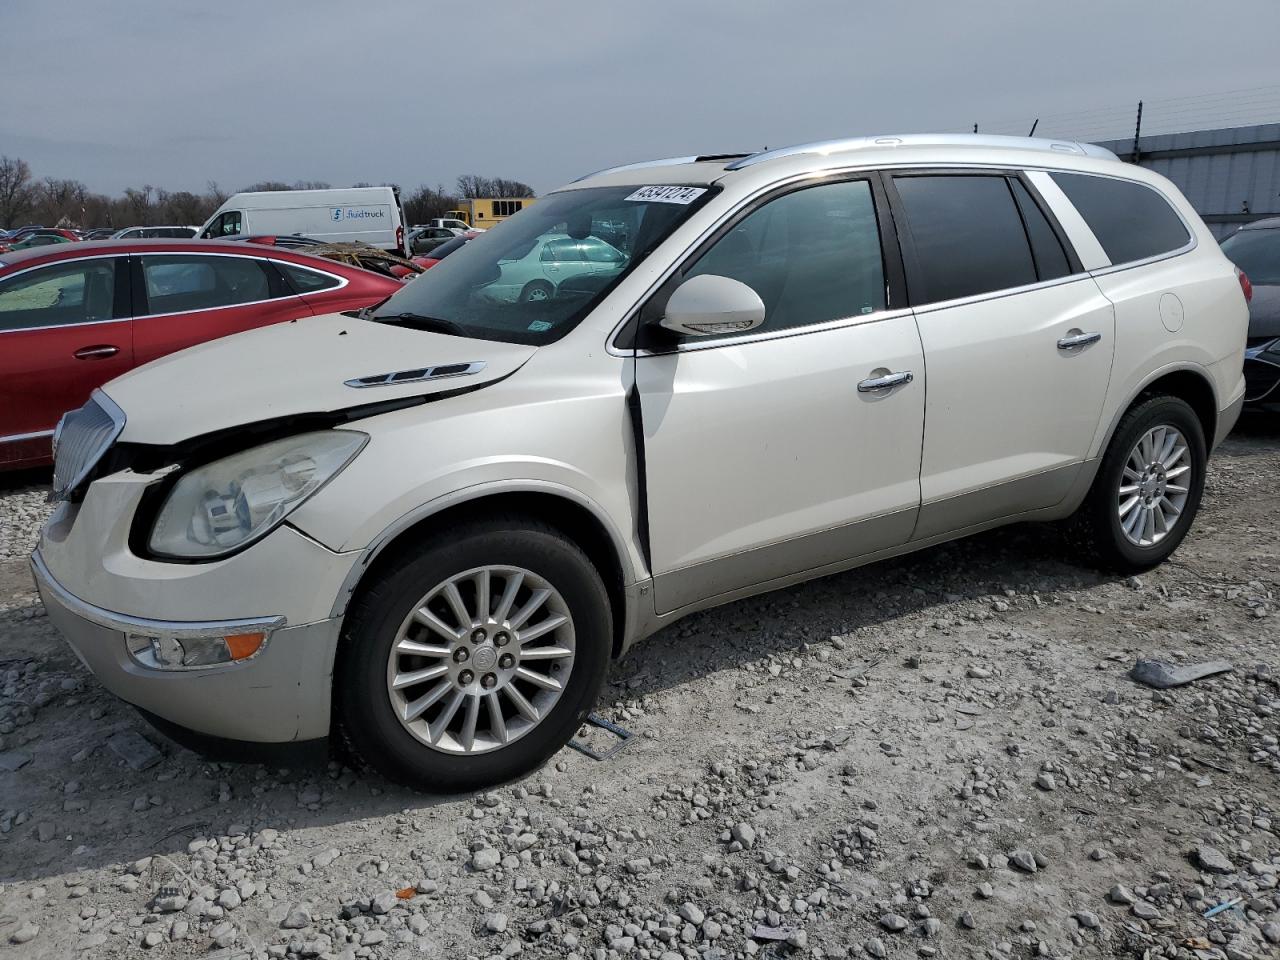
x,y
177,284
510,283
226,225
59,295
812,255
967,234
1257,253
1131,220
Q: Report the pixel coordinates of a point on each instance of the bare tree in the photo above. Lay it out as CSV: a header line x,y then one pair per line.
x,y
427,203
473,185
15,190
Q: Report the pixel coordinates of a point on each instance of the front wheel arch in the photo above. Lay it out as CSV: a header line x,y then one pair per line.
x,y
574,520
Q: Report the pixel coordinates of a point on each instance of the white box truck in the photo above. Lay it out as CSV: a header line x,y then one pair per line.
x,y
369,215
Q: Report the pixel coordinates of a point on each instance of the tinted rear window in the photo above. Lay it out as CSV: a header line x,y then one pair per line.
x,y
968,236
1130,220
306,281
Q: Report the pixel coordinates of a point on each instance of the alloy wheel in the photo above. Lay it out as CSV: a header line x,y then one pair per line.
x,y
1154,486
481,660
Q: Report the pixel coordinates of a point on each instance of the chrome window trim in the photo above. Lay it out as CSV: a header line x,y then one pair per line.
x,y
613,349
54,263
17,437
840,323
1000,294
68,326
343,281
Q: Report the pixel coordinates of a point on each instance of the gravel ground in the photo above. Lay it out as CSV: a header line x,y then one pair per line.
x,y
936,756
23,508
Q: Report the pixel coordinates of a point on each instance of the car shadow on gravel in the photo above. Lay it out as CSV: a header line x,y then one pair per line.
x,y
11,480
1025,559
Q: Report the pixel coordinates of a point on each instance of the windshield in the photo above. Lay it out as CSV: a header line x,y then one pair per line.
x,y
534,276
1257,253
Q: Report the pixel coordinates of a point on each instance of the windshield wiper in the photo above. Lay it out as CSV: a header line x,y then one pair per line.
x,y
417,321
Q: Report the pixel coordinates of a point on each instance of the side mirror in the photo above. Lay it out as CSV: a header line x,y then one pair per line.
x,y
708,304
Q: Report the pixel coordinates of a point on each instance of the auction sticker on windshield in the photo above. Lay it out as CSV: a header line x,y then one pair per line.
x,y
680,195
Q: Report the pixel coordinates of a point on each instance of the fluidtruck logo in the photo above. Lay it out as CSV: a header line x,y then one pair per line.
x,y
337,214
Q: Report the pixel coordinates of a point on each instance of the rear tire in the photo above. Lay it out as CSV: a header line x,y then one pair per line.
x,y
1147,490
441,625
537,291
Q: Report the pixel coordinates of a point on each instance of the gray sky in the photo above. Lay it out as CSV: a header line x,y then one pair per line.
x,y
175,94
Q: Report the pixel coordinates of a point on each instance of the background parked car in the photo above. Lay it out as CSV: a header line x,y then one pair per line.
x,y
425,239
155,233
451,222
99,233
35,240
1255,249
291,241
449,246
76,316
550,262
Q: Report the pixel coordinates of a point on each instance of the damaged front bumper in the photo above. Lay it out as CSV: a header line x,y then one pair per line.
x,y
279,694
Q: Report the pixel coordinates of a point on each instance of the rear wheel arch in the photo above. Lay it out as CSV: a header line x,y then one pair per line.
x,y
1186,383
574,520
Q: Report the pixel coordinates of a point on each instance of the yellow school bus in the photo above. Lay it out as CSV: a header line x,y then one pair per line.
x,y
484,212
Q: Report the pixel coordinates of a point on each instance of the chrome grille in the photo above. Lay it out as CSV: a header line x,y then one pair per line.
x,y
81,439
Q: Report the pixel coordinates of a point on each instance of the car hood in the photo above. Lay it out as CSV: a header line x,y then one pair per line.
x,y
300,367
1264,311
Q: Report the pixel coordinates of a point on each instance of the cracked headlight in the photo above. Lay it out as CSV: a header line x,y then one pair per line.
x,y
232,502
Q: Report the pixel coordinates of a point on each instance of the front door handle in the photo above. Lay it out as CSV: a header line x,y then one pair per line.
x,y
886,382
100,352
1078,340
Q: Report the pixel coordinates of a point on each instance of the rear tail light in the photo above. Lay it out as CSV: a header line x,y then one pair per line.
x,y
1245,285
400,238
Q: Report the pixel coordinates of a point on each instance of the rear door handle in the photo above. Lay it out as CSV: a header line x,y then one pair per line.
x,y
1078,340
100,352
889,380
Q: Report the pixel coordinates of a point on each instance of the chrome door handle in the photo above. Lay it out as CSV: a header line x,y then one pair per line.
x,y
1078,340
884,383
96,353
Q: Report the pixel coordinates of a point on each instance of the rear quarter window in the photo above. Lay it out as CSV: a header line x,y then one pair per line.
x,y
307,281
1131,220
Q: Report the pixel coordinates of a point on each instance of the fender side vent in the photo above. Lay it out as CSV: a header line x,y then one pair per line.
x,y
417,375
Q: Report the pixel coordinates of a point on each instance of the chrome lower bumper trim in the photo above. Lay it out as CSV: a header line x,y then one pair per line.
x,y
139,626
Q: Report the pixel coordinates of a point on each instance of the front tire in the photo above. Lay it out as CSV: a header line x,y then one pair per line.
x,y
471,659
1147,491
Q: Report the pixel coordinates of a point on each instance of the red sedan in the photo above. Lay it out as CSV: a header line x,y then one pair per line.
x,y
73,316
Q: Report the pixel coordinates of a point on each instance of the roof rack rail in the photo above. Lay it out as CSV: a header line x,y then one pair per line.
x,y
827,147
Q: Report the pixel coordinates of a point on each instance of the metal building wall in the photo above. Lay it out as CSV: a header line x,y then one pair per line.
x,y
1231,176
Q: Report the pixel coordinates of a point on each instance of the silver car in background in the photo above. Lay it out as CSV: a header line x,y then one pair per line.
x,y
551,261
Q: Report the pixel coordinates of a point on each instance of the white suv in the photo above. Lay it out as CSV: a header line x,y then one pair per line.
x,y
431,526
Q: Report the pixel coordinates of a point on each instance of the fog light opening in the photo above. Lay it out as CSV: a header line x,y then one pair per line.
x,y
186,653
